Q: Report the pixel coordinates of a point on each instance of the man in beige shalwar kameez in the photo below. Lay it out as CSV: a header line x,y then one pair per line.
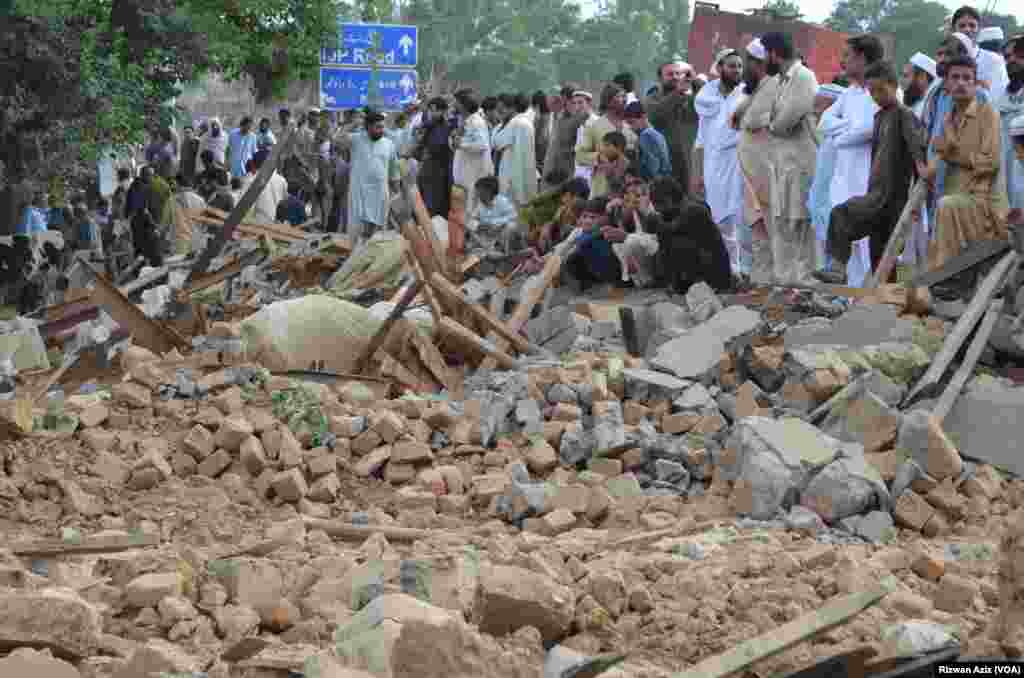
x,y
973,205
791,158
752,118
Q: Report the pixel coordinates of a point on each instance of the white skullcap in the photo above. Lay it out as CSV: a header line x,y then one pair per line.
x,y
831,91
702,77
1016,128
966,42
757,50
925,63
991,33
582,93
723,54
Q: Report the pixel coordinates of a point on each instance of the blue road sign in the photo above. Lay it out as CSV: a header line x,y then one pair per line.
x,y
346,88
398,45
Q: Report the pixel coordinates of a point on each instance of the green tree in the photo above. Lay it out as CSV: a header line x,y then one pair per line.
x,y
783,8
916,24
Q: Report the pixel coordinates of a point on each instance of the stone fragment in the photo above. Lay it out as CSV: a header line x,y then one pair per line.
x,y
252,456
199,442
955,594
149,589
541,457
647,385
232,433
290,485
921,435
558,521
912,511
510,598
373,462
156,659
57,619
927,567
325,489
410,452
132,395
215,464
844,488
29,663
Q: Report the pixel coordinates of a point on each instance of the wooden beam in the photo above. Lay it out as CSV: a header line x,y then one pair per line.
x,y
428,293
461,335
531,296
963,373
988,289
441,284
342,530
837,612
111,543
899,234
148,333
382,333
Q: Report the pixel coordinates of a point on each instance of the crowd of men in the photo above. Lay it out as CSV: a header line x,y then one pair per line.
x,y
755,171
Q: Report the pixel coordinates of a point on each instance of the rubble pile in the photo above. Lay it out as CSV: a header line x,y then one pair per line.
x,y
576,509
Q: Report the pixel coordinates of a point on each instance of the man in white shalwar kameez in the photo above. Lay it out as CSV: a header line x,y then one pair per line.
x,y
853,145
718,140
374,175
991,66
517,175
472,160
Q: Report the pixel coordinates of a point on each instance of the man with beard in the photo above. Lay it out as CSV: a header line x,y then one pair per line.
x,y
918,75
559,163
972,206
673,114
1010,105
435,156
852,168
588,150
897,149
791,161
751,119
722,179
991,67
374,176
242,145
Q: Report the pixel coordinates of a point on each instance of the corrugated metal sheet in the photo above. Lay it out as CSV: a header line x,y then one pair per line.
x,y
713,30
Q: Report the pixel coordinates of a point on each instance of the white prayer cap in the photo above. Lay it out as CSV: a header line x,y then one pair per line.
x,y
966,42
831,91
925,63
1016,128
724,54
757,50
703,78
990,34
584,94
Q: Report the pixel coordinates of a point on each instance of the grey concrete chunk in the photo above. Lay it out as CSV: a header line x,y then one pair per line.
x,y
650,385
985,421
861,326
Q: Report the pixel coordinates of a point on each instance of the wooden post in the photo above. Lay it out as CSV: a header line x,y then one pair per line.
x,y
456,333
439,283
963,373
903,228
964,325
531,297
378,339
252,193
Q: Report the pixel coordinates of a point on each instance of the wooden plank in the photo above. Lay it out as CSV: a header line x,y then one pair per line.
x,y
900,234
963,373
111,543
342,530
439,283
382,332
432,359
978,253
988,289
428,293
148,333
531,296
459,334
833,614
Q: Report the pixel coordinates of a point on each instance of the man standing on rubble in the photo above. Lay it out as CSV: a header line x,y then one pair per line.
x,y
752,118
374,176
672,113
791,161
1010,105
